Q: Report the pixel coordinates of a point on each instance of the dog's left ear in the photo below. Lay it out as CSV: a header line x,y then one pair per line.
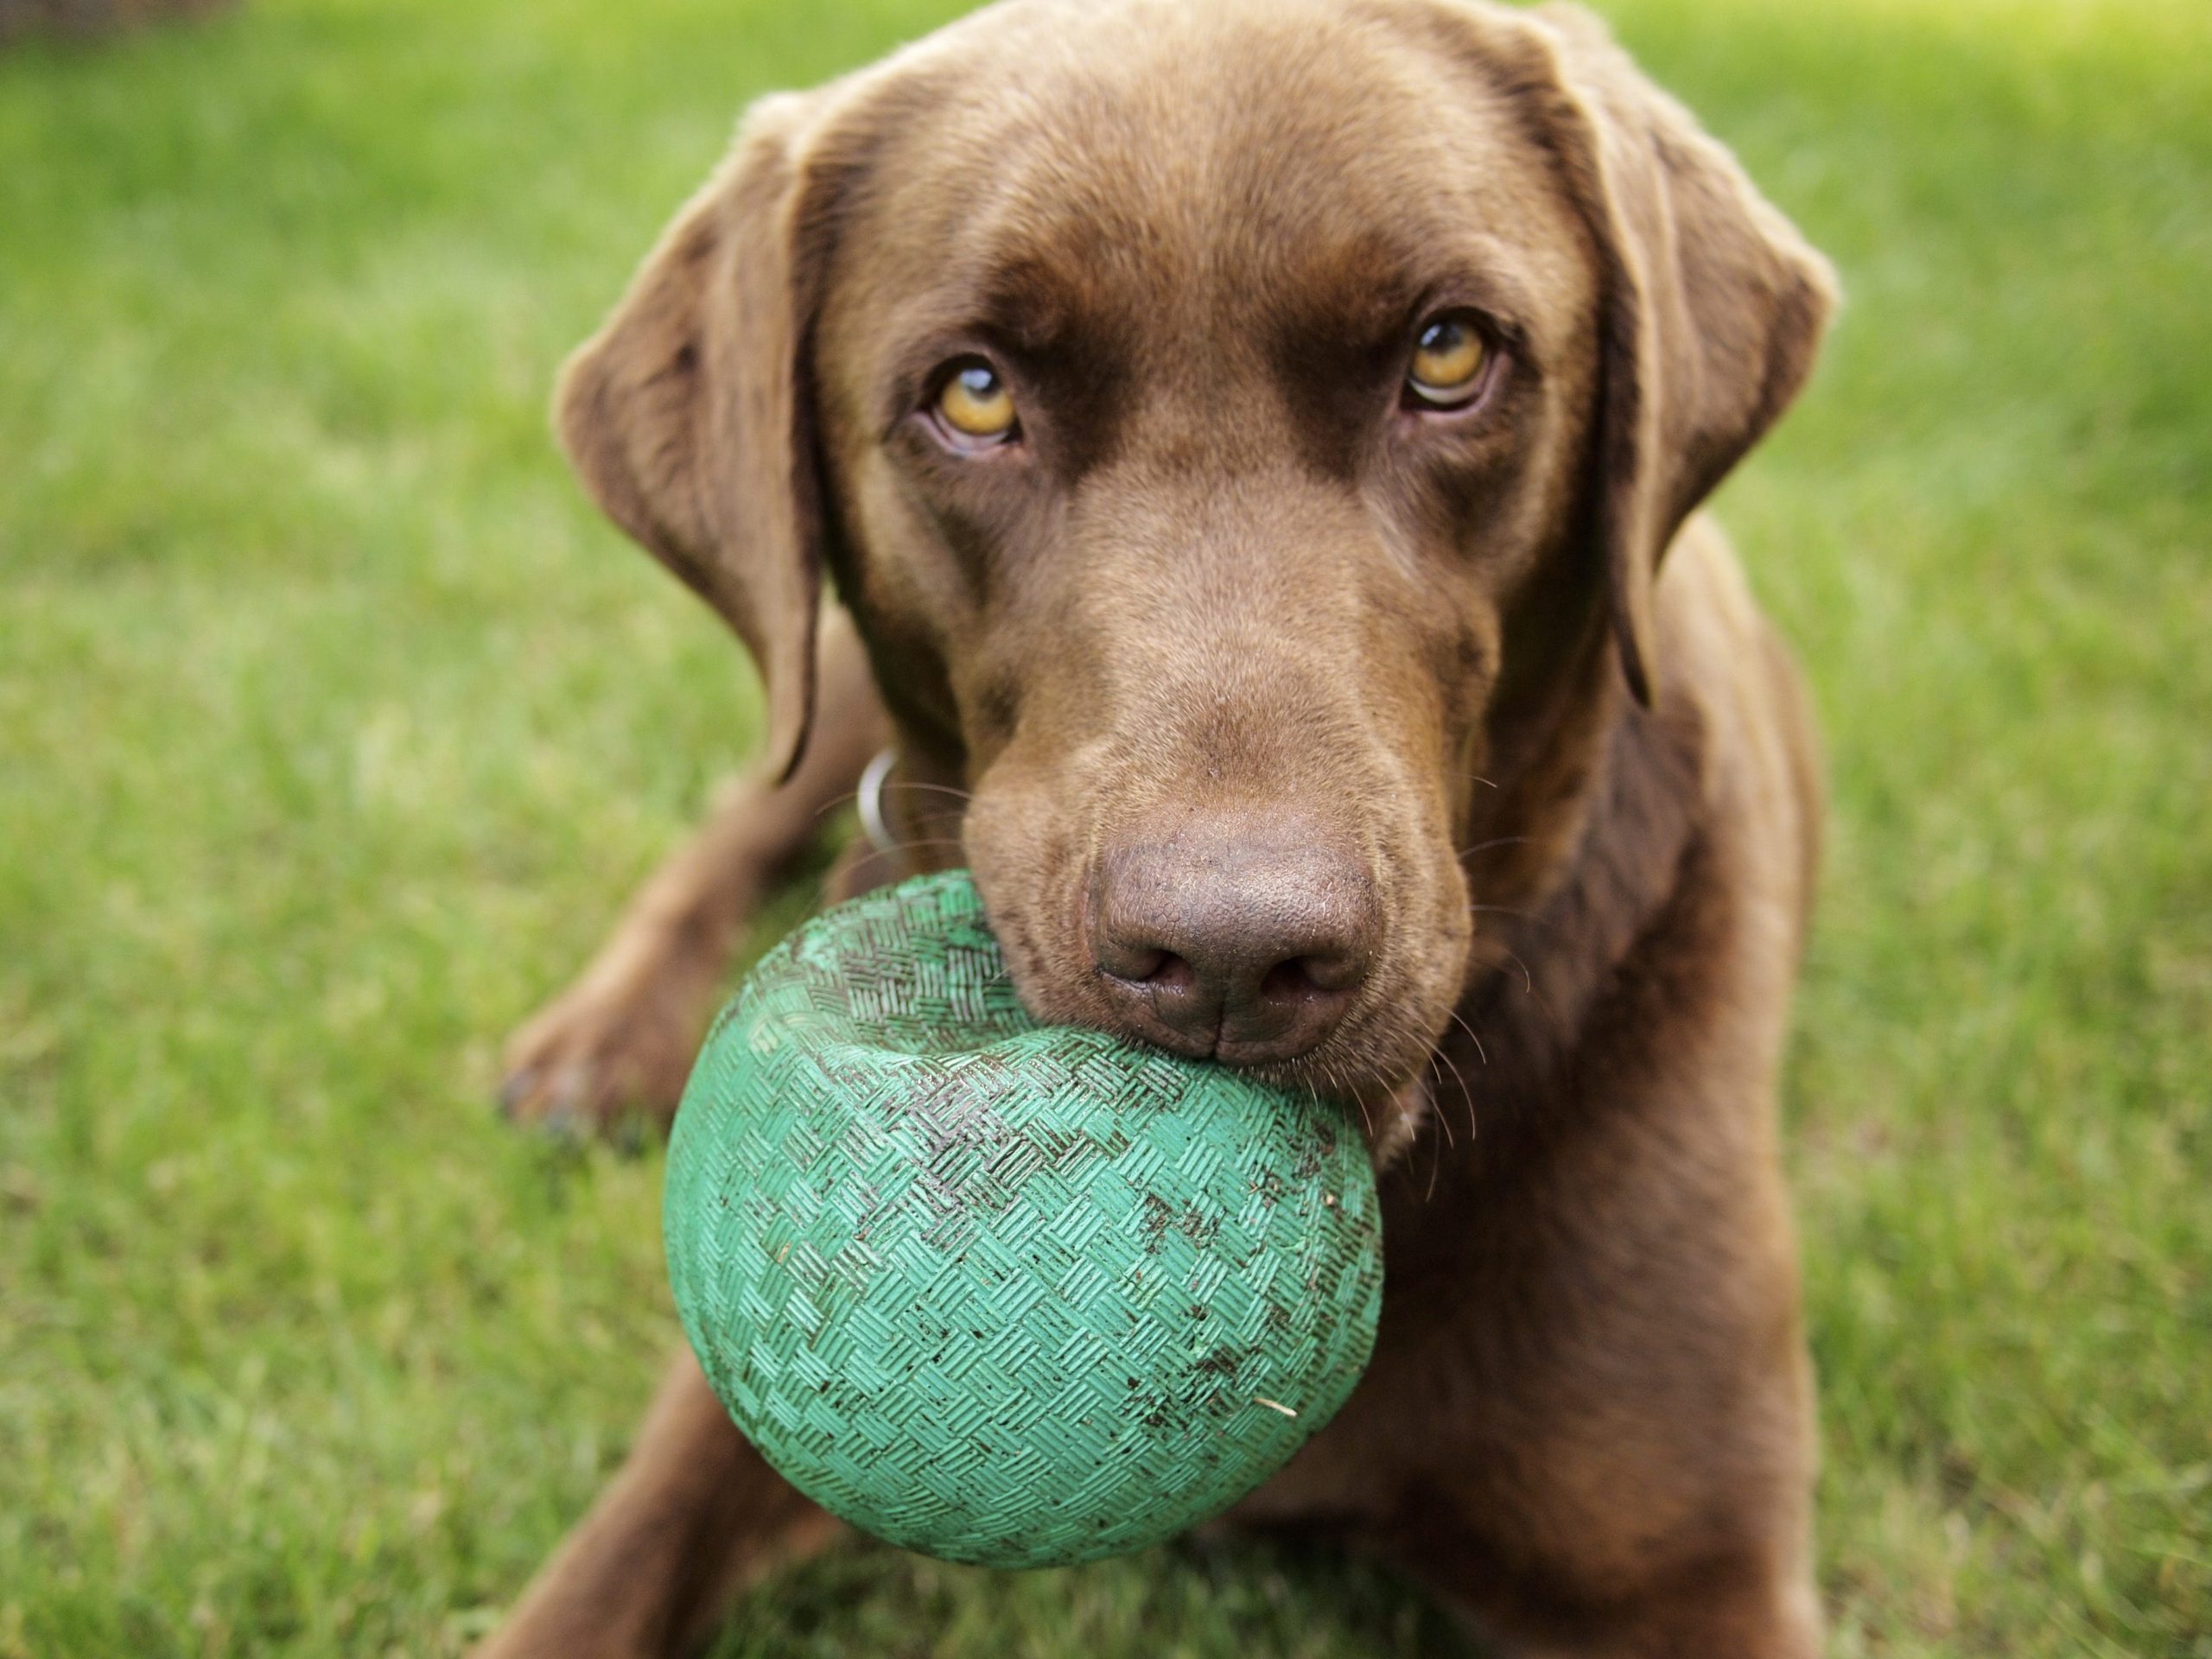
x,y
1714,305
689,416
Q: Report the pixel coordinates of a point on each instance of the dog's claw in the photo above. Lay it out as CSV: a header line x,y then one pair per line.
x,y
514,1091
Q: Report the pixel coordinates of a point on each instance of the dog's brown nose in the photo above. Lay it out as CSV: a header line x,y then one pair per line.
x,y
1237,940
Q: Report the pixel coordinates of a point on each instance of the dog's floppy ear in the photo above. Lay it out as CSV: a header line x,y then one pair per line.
x,y
1714,305
689,416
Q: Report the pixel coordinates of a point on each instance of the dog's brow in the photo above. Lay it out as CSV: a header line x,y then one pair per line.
x,y
1365,298
1035,303
1029,305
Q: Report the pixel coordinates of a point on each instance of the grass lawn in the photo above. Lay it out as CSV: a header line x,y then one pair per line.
x,y
334,726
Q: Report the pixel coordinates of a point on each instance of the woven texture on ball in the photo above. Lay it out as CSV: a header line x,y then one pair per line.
x,y
1000,1293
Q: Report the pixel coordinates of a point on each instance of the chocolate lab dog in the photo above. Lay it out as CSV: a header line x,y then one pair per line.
x,y
1255,447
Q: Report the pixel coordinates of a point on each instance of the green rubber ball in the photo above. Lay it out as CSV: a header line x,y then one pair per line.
x,y
1001,1293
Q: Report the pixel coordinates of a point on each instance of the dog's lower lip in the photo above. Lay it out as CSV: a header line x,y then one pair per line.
x,y
1175,1043
1255,1054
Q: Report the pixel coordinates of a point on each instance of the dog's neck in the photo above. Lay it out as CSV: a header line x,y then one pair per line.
x,y
1588,831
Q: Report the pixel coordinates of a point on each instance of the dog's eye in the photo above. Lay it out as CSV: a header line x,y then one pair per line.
x,y
1449,356
975,404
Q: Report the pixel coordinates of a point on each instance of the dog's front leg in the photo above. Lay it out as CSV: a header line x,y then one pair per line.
x,y
624,1034
694,1516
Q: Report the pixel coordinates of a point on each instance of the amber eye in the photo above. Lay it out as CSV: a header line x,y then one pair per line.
x,y
975,403
1447,365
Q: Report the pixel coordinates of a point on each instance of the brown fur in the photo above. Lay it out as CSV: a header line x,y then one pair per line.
x,y
1223,582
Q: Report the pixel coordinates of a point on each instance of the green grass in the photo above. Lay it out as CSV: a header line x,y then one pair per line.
x,y
333,728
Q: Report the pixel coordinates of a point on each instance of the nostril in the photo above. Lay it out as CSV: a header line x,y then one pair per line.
x,y
1163,969
1137,964
1288,982
1173,972
1301,979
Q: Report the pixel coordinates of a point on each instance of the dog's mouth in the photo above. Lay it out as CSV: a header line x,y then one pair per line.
x,y
1367,1049
1287,933
1390,1096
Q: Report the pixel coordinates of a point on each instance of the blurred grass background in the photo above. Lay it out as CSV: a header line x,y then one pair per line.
x,y
334,727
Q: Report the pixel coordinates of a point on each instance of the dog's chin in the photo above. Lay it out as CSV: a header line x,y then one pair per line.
x,y
1384,1085
1389,1112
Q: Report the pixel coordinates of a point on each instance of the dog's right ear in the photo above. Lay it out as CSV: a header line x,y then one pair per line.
x,y
689,414
1711,307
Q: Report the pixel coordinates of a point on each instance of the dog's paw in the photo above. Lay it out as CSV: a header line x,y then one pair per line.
x,y
599,1057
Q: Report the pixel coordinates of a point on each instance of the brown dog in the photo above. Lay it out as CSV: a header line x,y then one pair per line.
x,y
1244,436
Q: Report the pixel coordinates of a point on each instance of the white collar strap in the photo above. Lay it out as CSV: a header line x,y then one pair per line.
x,y
870,802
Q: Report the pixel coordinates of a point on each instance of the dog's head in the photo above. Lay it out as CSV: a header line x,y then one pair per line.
x,y
1234,426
